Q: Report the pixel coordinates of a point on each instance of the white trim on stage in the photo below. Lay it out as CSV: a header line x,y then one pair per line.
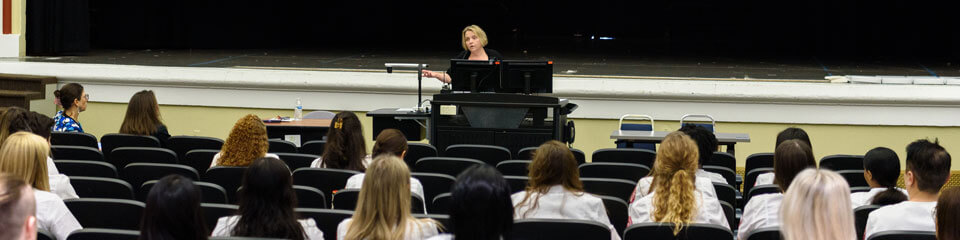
x,y
604,98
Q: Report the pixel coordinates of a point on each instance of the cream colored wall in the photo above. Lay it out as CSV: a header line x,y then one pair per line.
x,y
19,23
592,134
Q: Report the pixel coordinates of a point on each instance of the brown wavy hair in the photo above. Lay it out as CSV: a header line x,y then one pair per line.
x,y
345,148
247,141
552,164
143,114
790,158
948,214
674,175
390,141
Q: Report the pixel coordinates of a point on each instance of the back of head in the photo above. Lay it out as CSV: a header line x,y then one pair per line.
x,y
67,94
345,148
674,174
12,120
480,206
384,201
266,202
173,211
17,205
791,157
247,141
930,164
40,124
143,114
948,214
793,133
553,163
390,141
884,166
705,139
810,209
24,155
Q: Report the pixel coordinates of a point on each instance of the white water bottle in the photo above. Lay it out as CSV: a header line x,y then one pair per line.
x,y
298,111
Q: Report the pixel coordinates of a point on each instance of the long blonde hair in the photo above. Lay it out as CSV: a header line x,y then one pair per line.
x,y
383,208
246,142
553,164
24,155
674,175
815,207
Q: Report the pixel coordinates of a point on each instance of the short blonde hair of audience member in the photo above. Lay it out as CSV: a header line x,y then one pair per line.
x,y
24,155
816,207
476,30
246,142
552,164
383,208
674,174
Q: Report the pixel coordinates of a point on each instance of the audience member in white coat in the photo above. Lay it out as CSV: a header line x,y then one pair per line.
x,y
673,197
706,145
346,147
881,170
480,205
391,142
928,168
555,191
811,207
247,141
173,211
790,133
15,119
790,157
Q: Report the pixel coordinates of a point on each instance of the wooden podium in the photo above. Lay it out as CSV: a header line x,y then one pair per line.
x,y
17,90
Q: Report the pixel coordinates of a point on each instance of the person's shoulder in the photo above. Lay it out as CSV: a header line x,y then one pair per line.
x,y
45,197
493,53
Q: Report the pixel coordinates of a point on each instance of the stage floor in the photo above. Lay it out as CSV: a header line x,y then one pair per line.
x,y
565,64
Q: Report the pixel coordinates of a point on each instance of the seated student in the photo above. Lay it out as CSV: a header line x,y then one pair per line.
x,y
246,142
673,197
73,99
17,209
143,117
17,119
928,167
173,211
810,209
23,155
706,145
480,205
785,135
881,170
948,214
345,148
383,208
266,206
391,142
555,191
790,158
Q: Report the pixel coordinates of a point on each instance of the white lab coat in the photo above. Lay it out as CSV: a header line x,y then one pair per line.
x,y
225,227
708,210
416,230
558,203
859,199
53,215
904,216
760,212
703,185
356,182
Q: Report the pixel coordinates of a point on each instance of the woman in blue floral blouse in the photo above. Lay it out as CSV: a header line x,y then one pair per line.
x,y
73,100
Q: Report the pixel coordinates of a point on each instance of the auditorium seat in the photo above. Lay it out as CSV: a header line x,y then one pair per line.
x,y
76,153
434,183
282,146
904,235
88,233
559,229
346,199
722,159
859,189
183,144
854,178
760,190
514,167
416,151
445,165
620,188
664,231
214,211
726,193
730,213
229,178
440,204
74,139
487,153
86,168
209,192
310,197
634,144
727,173
626,171
98,187
616,212
758,160
327,219
45,235
138,173
199,159
296,160
111,141
643,157
314,147
842,162
320,115
326,180
860,216
517,183
122,156
750,178
243,238
527,154
767,233
106,213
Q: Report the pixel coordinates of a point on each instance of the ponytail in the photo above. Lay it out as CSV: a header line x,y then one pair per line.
x,y
676,203
889,196
884,166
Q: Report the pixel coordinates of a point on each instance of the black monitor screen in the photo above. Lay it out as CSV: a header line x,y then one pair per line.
x,y
474,75
521,76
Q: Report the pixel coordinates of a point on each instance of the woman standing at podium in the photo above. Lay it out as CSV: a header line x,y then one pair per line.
x,y
474,40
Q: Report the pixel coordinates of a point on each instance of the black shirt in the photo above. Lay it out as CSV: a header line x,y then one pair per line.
x,y
491,55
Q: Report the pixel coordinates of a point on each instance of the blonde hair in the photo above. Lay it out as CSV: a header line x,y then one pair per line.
x,y
476,30
24,155
674,175
552,164
383,208
246,142
815,207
